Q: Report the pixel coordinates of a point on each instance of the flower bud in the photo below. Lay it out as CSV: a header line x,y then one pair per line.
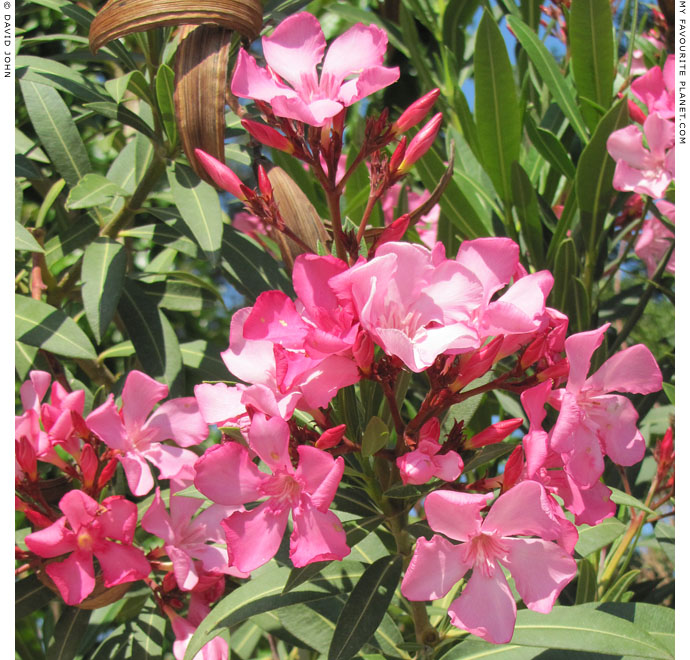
x,y
664,455
476,364
394,232
493,434
264,183
107,473
221,174
331,437
421,143
26,458
88,462
556,372
397,156
636,113
513,469
268,136
363,351
416,112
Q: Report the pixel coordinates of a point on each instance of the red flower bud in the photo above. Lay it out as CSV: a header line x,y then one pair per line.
x,y
636,113
107,473
398,155
664,455
88,462
416,112
556,372
26,457
476,364
493,434
264,183
331,437
394,232
221,174
363,351
421,143
513,469
268,136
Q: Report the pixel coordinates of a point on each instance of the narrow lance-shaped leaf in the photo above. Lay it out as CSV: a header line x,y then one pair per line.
x,y
365,607
165,84
375,436
590,33
560,87
103,272
525,200
68,633
30,595
497,113
199,206
42,325
23,240
56,129
92,190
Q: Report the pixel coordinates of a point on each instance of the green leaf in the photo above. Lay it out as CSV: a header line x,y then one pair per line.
x,y
594,176
566,268
579,308
264,594
149,634
122,115
57,131
474,649
550,147
498,119
68,634
205,358
375,436
590,36
199,206
245,639
365,607
616,592
666,536
489,454
527,209
620,497
586,582
581,628
42,325
248,267
30,595
24,240
166,234
134,82
596,537
560,87
165,85
670,391
92,190
152,335
103,272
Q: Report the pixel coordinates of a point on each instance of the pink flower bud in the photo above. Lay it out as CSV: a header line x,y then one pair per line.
x,y
26,458
513,469
476,364
88,462
363,351
556,372
533,352
107,473
264,183
394,232
331,437
664,455
221,174
416,112
421,143
636,113
493,434
268,136
398,155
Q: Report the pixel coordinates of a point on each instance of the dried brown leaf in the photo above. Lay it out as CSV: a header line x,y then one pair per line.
x,y
121,17
201,64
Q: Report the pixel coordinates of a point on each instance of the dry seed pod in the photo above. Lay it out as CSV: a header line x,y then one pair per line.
x,y
200,80
118,18
299,215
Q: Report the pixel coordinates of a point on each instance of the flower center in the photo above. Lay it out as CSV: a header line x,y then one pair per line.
x,y
283,489
483,551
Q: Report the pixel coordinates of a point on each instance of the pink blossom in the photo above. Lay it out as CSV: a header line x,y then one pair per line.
x,y
416,111
138,438
421,143
638,169
249,224
655,239
184,628
425,462
221,174
186,537
592,421
415,303
86,530
226,474
656,89
486,607
294,51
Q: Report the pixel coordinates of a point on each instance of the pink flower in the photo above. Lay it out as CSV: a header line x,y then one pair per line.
x,y
187,538
656,89
655,239
592,421
645,171
138,437
415,303
425,462
486,607
87,529
226,474
293,52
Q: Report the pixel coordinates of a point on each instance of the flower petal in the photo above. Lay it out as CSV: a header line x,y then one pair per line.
x,y
119,520
316,536
157,521
121,563
179,420
254,536
321,474
250,81
226,475
579,349
435,567
369,81
139,395
455,514
486,608
138,473
107,424
632,370
73,577
269,438
541,570
79,508
52,541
